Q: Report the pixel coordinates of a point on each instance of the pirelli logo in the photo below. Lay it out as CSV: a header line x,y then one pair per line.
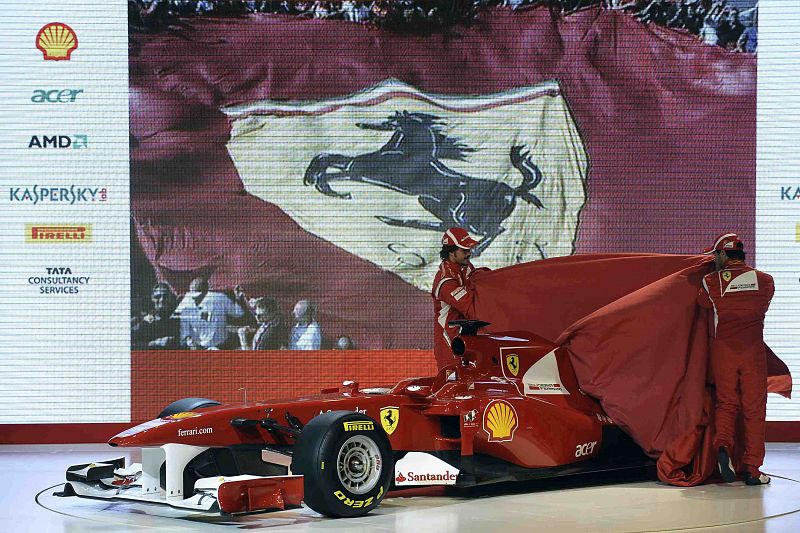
x,y
62,233
359,426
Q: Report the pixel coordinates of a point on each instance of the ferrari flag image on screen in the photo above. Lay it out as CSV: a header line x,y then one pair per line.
x,y
382,173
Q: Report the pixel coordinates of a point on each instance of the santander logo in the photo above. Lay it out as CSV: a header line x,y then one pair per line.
x,y
416,478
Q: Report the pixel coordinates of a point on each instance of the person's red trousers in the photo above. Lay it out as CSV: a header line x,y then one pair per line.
x,y
740,374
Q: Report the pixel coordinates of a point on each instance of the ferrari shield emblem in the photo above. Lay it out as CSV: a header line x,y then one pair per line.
x,y
726,275
512,363
390,417
402,165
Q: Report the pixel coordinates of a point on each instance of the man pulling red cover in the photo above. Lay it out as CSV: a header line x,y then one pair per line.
x,y
453,294
740,296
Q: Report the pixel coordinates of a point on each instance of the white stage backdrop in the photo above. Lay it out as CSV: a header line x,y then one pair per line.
x,y
64,215
778,185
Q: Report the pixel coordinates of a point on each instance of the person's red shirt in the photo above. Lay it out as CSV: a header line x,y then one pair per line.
x,y
453,299
740,296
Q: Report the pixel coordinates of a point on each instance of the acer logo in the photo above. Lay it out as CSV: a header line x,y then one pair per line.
x,y
53,96
586,448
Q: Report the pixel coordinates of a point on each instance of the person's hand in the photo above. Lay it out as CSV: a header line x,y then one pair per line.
x,y
159,343
149,319
238,291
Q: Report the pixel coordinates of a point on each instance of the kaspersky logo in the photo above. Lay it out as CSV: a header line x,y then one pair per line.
x,y
790,193
58,233
75,142
56,41
69,194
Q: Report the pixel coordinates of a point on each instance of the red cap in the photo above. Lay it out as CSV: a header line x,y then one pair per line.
x,y
726,241
458,237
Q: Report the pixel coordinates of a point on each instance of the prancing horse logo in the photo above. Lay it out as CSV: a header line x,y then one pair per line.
x,y
512,363
410,163
390,417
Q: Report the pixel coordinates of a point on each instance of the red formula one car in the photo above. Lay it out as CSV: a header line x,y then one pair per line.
x,y
511,409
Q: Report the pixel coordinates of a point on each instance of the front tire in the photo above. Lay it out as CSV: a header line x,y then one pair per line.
x,y
347,464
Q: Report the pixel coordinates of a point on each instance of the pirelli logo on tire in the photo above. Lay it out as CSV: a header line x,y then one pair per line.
x,y
357,504
360,425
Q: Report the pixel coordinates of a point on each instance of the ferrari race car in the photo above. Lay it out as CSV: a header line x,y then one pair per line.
x,y
510,409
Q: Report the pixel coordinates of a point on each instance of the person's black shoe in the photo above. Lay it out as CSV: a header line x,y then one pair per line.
x,y
725,465
753,476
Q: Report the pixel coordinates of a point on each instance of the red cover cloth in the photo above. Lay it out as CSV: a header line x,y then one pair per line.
x,y
651,105
639,343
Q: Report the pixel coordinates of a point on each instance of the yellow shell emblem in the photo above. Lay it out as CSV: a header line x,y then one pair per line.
x,y
179,416
726,275
512,363
56,41
500,421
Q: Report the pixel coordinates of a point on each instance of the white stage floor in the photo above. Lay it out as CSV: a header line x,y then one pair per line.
x,y
30,474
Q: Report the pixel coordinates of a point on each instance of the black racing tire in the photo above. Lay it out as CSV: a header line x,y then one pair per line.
x,y
346,460
186,404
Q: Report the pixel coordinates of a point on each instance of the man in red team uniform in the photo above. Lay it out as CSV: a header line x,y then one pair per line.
x,y
740,296
453,294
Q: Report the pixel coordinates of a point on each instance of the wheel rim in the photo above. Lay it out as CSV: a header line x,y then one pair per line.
x,y
359,464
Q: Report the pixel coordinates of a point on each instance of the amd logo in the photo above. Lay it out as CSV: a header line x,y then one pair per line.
x,y
59,141
55,96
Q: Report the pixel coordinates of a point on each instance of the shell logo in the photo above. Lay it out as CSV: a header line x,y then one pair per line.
x,y
56,41
500,421
180,416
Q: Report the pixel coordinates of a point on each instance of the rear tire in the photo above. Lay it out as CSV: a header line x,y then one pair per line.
x,y
346,461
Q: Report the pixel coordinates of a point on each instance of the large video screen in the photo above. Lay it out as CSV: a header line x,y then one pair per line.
x,y
223,199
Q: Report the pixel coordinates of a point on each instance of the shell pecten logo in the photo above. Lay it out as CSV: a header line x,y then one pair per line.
x,y
500,421
56,41
182,415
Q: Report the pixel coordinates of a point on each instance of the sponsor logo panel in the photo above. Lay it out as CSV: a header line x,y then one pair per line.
x,y
56,41
357,504
543,377
361,425
471,418
181,416
790,193
58,233
58,280
62,194
587,448
742,283
426,478
55,96
195,431
500,421
512,363
390,418
76,141
419,468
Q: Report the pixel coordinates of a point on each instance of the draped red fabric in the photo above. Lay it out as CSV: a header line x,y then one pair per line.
x,y
639,343
668,124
